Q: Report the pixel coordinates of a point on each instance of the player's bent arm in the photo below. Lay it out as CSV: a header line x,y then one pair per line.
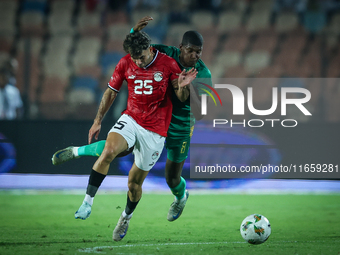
x,y
182,93
105,104
183,82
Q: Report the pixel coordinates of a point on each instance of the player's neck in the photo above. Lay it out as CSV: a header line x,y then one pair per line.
x,y
181,61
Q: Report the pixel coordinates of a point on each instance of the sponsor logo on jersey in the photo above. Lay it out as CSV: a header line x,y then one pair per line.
x,y
132,77
158,76
155,155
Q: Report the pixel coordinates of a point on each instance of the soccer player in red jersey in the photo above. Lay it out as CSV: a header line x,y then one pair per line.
x,y
144,123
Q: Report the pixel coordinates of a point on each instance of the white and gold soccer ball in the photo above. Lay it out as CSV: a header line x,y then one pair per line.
x,y
255,229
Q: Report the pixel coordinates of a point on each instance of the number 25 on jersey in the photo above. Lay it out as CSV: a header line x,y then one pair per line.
x,y
143,84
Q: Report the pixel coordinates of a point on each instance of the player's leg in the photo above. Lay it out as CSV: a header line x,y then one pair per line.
x,y
115,143
74,152
147,151
177,152
135,182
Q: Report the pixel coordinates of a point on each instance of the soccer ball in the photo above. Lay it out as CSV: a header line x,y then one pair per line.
x,y
255,229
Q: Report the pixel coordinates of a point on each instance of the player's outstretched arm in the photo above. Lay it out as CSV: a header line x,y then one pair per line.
x,y
105,104
181,85
143,22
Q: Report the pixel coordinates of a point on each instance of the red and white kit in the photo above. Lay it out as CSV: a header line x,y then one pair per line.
x,y
149,100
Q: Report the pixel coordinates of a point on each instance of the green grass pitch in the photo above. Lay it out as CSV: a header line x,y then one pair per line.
x,y
45,224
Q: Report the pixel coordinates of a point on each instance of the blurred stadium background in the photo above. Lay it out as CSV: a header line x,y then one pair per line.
x,y
67,49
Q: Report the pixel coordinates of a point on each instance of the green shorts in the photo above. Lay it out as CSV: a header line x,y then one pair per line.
x,y
178,147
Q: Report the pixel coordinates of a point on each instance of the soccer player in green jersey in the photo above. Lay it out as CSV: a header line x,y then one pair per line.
x,y
188,55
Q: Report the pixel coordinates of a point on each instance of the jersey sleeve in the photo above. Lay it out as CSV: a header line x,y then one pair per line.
x,y
168,50
175,70
118,76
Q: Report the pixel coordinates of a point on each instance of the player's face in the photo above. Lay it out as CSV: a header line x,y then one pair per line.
x,y
190,54
144,59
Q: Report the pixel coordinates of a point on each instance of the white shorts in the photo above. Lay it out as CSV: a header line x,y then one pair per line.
x,y
148,145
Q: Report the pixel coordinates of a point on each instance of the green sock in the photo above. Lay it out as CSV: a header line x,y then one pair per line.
x,y
179,190
93,149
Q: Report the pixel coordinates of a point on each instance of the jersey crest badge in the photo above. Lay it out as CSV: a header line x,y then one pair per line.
x,y
155,155
158,76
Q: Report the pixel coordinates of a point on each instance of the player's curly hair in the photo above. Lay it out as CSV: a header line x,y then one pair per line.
x,y
136,42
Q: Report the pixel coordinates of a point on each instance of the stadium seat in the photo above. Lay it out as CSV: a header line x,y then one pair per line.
x,y
137,14
223,61
261,5
116,17
6,43
236,42
228,22
81,96
334,27
87,52
108,59
118,31
60,43
7,23
32,24
56,66
60,23
258,22
257,60
197,18
34,6
286,22
86,82
8,6
89,24
236,72
175,33
90,71
59,6
35,45
52,90
265,42
114,45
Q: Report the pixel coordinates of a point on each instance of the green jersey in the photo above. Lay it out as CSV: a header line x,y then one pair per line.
x,y
182,119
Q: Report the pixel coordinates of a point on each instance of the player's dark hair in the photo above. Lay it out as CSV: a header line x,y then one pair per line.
x,y
192,37
136,42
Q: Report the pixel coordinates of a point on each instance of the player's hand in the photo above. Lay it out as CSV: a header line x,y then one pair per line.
x,y
94,131
142,23
186,77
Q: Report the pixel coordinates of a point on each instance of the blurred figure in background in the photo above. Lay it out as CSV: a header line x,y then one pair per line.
x,y
11,106
12,69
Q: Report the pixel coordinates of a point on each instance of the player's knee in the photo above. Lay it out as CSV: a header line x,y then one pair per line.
x,y
134,188
109,153
172,181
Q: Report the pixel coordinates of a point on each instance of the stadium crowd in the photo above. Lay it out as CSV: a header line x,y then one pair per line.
x,y
67,49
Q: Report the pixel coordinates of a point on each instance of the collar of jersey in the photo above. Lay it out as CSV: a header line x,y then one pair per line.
x,y
152,60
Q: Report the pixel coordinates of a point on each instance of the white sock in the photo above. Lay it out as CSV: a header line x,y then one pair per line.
x,y
89,199
75,151
126,216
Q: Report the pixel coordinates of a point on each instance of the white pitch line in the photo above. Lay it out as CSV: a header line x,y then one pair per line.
x,y
99,248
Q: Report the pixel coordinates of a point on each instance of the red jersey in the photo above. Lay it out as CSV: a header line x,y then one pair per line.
x,y
149,101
